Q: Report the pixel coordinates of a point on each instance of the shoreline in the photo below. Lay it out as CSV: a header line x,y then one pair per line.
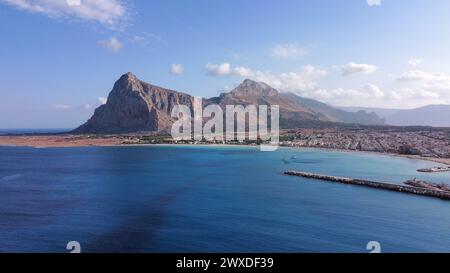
x,y
68,141
444,161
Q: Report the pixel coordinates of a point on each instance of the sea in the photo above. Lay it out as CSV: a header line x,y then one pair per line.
x,y
20,131
174,199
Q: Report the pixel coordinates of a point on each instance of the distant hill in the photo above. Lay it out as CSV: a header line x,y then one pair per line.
x,y
334,114
381,112
136,106
431,115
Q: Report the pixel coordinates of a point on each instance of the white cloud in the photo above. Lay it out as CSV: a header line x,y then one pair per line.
x,y
415,62
419,75
87,106
419,88
308,80
243,71
370,95
61,106
366,94
411,94
337,94
310,70
288,51
296,81
374,2
113,44
218,69
438,86
102,100
373,90
431,85
110,13
73,2
225,69
146,38
176,69
354,68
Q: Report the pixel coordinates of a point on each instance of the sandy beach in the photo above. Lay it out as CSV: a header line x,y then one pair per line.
x,y
60,141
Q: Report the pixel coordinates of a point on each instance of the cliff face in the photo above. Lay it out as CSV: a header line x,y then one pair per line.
x,y
135,106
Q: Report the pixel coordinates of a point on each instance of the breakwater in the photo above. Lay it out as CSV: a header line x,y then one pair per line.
x,y
434,170
373,184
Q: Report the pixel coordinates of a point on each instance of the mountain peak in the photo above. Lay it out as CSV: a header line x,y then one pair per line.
x,y
128,77
255,84
249,82
128,81
253,88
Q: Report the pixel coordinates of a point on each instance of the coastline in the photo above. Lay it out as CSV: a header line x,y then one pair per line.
x,y
67,141
444,161
59,141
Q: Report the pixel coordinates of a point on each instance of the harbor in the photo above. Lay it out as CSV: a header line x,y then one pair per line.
x,y
422,188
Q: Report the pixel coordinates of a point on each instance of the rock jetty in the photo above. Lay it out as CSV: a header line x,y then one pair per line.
x,y
434,170
373,184
428,185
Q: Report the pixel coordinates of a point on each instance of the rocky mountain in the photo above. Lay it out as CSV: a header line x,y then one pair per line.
x,y
295,111
292,115
136,106
430,115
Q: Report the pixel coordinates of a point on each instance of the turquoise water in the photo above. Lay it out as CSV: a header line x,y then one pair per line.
x,y
211,199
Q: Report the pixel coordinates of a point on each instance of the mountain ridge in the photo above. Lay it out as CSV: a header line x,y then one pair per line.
x,y
136,106
435,115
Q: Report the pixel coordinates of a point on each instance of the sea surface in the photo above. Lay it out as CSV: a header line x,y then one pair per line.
x,y
212,199
20,131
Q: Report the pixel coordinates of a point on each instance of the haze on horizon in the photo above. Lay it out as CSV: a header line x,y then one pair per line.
x,y
60,59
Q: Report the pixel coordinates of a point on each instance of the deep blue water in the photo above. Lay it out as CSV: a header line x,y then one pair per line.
x,y
204,199
33,131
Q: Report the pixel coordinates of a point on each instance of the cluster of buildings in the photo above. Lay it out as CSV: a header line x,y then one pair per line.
x,y
423,142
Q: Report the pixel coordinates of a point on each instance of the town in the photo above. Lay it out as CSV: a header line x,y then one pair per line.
x,y
420,141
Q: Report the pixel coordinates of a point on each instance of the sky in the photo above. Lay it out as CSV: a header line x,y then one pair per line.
x,y
60,58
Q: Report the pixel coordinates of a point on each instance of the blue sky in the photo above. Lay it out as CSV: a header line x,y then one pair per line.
x,y
58,60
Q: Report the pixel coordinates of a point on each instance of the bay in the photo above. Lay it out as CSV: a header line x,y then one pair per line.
x,y
212,199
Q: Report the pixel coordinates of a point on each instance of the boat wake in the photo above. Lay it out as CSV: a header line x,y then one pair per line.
x,y
10,177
